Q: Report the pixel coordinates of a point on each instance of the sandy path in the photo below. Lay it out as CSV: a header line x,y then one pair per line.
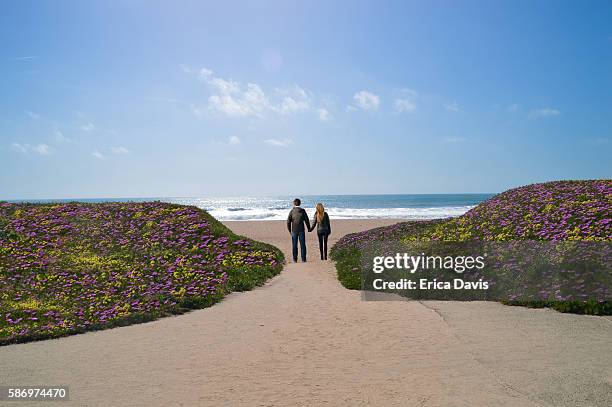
x,y
304,340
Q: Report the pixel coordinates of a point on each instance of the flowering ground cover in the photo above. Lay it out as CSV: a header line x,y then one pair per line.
x,y
70,268
561,211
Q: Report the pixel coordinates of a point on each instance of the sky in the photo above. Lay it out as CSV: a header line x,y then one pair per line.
x,y
258,98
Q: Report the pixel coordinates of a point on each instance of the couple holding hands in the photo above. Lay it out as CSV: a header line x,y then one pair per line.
x,y
298,222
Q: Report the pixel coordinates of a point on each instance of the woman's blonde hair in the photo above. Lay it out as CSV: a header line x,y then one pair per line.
x,y
320,212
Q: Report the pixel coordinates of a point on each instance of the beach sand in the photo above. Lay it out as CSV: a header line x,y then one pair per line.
x,y
304,340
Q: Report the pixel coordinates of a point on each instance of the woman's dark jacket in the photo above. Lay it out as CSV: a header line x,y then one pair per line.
x,y
323,227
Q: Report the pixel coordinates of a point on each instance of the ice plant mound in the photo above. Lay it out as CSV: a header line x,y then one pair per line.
x,y
554,211
70,268
561,210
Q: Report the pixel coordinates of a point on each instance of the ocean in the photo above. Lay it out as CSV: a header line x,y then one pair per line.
x,y
408,206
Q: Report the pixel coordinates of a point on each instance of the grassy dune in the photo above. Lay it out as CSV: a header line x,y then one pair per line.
x,y
561,211
70,268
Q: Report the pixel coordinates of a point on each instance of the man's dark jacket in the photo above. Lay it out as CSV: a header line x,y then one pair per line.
x,y
296,220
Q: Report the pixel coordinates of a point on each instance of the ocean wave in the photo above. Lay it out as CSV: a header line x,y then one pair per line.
x,y
344,213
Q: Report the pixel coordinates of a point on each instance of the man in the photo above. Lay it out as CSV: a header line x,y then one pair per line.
x,y
295,223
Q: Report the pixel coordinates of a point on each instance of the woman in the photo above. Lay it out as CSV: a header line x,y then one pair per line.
x,y
321,221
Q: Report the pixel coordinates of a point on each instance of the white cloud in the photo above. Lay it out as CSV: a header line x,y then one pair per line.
x,y
20,148
543,112
290,105
404,105
323,114
59,137
98,155
88,127
411,93
234,140
232,99
204,72
295,99
32,115
235,99
451,107
251,101
40,149
223,86
278,142
366,100
120,150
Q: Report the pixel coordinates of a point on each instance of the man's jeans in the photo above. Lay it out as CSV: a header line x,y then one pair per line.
x,y
294,239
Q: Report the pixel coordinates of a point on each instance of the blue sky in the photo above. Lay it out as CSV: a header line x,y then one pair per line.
x,y
143,98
